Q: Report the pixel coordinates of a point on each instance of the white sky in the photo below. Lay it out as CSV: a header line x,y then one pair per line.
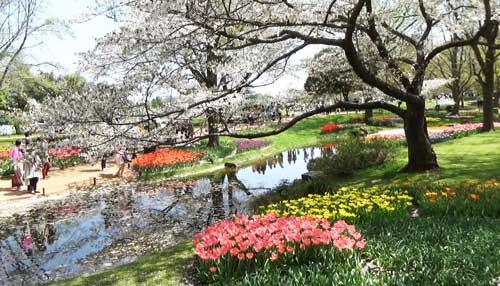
x,y
63,50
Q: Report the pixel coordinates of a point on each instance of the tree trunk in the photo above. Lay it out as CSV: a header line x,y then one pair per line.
x,y
368,112
213,140
455,86
345,95
421,156
368,115
489,77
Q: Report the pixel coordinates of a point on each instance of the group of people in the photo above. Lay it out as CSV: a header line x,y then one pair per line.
x,y
29,163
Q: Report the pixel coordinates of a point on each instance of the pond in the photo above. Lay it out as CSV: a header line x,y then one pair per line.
x,y
103,229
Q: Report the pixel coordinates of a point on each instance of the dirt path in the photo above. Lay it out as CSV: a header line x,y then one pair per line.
x,y
59,182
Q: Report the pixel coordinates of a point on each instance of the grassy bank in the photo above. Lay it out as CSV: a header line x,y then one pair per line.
x,y
304,134
427,251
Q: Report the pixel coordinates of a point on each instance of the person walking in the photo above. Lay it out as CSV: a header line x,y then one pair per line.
x,y
52,133
16,155
46,159
103,163
27,138
121,160
33,170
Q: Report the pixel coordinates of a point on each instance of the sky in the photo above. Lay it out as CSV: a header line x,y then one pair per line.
x,y
63,50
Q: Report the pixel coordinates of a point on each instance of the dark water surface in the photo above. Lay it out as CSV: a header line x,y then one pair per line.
x,y
100,230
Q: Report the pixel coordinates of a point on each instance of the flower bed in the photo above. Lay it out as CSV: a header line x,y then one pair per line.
x,y
245,145
6,168
436,134
231,247
471,198
329,128
65,157
346,203
432,119
165,159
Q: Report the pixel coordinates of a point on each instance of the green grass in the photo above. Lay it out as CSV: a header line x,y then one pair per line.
x,y
164,268
473,157
428,251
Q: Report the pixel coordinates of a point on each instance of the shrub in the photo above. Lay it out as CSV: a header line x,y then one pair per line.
x,y
354,154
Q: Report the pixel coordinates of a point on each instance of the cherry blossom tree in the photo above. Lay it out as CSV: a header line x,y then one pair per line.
x,y
402,34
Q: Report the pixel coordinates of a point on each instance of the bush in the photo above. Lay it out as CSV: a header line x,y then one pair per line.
x,y
354,154
6,168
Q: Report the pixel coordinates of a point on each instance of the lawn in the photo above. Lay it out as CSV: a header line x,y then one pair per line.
x,y
434,250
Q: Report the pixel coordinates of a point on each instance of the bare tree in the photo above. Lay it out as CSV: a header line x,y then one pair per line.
x,y
17,24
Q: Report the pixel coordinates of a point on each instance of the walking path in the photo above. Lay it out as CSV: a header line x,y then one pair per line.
x,y
56,185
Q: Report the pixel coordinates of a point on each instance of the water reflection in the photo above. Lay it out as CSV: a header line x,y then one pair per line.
x,y
70,239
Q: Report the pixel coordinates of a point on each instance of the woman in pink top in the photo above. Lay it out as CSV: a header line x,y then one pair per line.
x,y
16,154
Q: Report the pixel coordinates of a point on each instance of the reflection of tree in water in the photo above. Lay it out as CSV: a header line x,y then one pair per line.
x,y
292,156
220,184
119,205
306,155
270,163
327,152
217,197
19,251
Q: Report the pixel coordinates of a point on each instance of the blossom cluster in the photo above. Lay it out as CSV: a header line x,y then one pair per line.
x,y
245,145
245,237
166,157
327,128
345,203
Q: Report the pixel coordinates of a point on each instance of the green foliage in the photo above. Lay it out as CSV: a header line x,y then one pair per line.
x,y
354,154
272,273
66,162
6,167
